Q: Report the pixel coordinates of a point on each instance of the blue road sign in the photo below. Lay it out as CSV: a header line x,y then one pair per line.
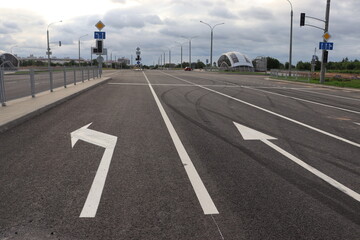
x,y
138,62
326,45
99,35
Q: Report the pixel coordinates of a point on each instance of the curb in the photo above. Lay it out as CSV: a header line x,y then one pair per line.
x,y
12,123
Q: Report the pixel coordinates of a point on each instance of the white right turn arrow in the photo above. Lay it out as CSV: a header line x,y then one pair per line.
x,y
251,134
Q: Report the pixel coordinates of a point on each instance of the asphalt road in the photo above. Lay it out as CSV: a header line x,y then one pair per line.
x,y
180,168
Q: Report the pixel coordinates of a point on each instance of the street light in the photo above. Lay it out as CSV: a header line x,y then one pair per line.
x,y
291,33
212,34
181,52
169,57
189,47
79,47
48,43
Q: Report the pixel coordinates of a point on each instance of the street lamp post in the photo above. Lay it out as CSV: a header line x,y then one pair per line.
x,y
48,43
291,37
164,61
212,35
79,48
169,58
190,48
181,53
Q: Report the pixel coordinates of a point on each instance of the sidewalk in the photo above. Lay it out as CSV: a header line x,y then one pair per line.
x,y
17,111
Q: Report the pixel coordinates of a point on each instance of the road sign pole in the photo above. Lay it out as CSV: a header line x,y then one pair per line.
x,y
323,64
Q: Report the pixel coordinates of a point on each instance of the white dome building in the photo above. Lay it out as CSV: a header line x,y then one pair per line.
x,y
8,61
235,61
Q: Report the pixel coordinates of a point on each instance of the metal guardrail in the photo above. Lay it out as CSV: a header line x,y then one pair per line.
x,y
30,82
297,75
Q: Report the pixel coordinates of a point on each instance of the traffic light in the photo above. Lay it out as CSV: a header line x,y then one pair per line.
x,y
326,54
302,19
99,46
59,43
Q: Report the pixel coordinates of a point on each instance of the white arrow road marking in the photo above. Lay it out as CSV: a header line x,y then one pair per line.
x,y
251,134
201,192
103,140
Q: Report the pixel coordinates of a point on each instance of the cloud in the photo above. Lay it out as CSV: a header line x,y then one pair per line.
x,y
254,27
119,1
256,14
130,18
222,12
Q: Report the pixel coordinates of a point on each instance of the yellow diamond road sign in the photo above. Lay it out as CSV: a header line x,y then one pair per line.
x,y
99,25
326,36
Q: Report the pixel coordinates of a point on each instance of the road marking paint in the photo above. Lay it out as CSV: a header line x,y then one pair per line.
x,y
336,96
273,113
313,170
251,134
357,123
103,140
304,100
174,84
202,194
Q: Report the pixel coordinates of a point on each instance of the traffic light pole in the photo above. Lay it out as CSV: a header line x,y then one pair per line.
x,y
324,57
324,53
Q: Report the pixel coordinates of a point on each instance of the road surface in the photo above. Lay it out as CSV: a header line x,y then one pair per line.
x,y
186,155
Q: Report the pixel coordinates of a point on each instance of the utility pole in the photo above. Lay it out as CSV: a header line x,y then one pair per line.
x,y
324,52
291,37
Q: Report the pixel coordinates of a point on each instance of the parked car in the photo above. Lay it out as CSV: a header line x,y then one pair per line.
x,y
187,69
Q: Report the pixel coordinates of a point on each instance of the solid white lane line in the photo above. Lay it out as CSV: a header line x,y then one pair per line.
x,y
273,113
201,192
304,100
313,170
357,123
325,94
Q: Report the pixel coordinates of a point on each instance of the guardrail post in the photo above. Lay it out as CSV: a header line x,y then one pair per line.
x,y
65,83
82,74
2,88
88,72
51,80
32,82
74,76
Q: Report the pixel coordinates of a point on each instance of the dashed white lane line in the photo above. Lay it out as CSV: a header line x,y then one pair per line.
x,y
201,192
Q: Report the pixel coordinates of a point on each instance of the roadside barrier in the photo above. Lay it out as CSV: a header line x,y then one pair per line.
x,y
29,82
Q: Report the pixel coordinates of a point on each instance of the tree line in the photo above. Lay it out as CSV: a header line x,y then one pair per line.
x,y
345,65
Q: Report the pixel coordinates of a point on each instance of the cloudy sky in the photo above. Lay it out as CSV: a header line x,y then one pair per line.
x,y
253,27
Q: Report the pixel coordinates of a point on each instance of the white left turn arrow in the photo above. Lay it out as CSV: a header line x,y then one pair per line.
x,y
251,134
103,140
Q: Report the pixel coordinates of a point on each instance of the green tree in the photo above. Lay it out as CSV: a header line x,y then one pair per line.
x,y
273,63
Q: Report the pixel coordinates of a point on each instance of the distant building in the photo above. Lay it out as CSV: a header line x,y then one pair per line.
x,y
124,60
235,61
260,64
8,61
